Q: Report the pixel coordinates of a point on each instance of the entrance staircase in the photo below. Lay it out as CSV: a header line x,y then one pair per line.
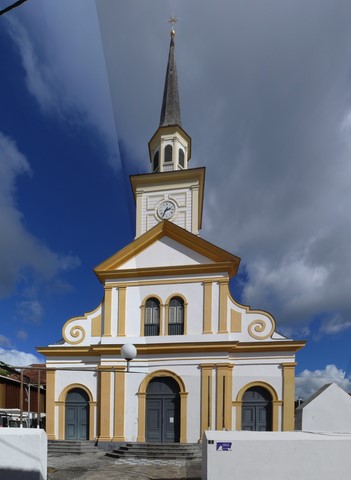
x,y
158,451
74,447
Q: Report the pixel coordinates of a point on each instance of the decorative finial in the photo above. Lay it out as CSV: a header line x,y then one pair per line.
x,y
173,20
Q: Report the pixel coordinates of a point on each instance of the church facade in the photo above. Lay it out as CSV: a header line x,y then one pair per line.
x,y
203,360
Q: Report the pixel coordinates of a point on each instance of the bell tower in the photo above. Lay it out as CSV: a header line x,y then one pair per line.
x,y
172,191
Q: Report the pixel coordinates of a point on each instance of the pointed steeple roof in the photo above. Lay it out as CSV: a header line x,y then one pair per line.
x,y
170,111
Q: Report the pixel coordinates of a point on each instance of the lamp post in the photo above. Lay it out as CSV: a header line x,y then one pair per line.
x,y
128,352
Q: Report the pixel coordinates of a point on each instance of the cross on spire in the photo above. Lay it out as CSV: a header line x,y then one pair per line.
x,y
173,20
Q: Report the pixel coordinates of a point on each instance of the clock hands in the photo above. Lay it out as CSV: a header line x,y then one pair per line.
x,y
166,210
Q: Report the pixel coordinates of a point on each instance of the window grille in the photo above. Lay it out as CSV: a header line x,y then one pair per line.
x,y
176,316
152,317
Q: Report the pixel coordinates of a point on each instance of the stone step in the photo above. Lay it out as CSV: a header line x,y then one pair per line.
x,y
60,447
157,451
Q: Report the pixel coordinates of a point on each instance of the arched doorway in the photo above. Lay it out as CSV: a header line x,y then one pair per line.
x,y
257,409
162,410
77,415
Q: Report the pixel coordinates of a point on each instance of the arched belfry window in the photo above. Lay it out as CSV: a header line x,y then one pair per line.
x,y
168,153
181,158
156,161
152,317
176,316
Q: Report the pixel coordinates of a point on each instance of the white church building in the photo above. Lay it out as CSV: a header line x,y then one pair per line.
x,y
204,362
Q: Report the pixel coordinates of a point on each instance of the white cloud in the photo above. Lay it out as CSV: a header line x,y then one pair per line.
x,y
38,76
17,358
308,382
66,74
22,335
21,250
30,311
335,325
4,341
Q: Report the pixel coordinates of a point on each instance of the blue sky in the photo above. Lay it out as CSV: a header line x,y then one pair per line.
x,y
265,95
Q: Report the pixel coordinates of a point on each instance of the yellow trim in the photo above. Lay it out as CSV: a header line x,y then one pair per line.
x,y
142,319
177,347
168,271
119,411
121,332
105,406
167,281
61,403
235,321
207,325
225,260
206,398
247,309
223,306
288,396
50,404
275,403
185,318
224,385
78,330
258,326
96,326
142,403
108,312
141,416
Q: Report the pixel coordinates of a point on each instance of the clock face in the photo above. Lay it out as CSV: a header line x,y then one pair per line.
x,y
166,210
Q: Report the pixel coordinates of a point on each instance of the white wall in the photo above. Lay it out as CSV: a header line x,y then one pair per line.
x,y
23,454
276,455
329,411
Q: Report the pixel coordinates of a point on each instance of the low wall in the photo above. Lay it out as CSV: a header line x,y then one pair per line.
x,y
275,455
23,454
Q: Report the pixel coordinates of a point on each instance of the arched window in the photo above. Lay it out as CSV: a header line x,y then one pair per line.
x,y
168,153
152,317
181,158
176,316
156,161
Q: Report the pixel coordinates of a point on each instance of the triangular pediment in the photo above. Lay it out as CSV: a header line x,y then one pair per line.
x,y
167,246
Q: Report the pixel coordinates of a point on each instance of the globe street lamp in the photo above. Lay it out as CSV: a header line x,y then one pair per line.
x,y
128,352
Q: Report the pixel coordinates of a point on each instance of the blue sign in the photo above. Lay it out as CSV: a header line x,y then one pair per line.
x,y
224,446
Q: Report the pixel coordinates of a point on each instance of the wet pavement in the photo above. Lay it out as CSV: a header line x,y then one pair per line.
x,y
98,466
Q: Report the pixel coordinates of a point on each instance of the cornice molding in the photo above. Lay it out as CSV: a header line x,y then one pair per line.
x,y
174,348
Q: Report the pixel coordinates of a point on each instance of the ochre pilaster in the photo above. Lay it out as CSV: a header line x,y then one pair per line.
x,y
207,325
108,312
119,409
50,404
224,386
121,331
141,416
288,395
183,417
206,397
105,406
223,300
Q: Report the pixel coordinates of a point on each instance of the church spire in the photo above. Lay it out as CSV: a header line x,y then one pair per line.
x,y
170,111
170,147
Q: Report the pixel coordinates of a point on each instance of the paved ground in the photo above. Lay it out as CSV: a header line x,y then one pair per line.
x,y
97,466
